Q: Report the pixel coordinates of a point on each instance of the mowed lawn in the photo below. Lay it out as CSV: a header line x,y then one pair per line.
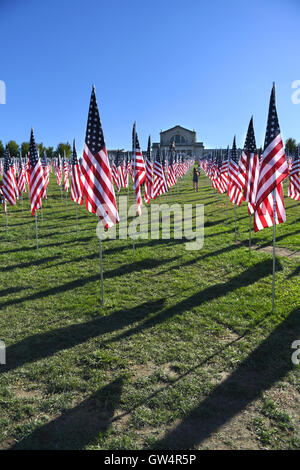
x,y
185,353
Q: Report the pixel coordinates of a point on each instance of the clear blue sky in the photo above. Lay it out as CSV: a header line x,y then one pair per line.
x,y
206,65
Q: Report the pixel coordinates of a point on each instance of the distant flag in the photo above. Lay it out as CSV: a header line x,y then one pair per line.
x,y
149,178
22,179
224,169
171,178
13,176
36,182
234,190
8,182
139,170
249,168
46,173
294,186
97,180
76,182
273,170
66,173
160,183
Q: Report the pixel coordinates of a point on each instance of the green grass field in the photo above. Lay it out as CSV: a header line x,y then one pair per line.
x,y
185,353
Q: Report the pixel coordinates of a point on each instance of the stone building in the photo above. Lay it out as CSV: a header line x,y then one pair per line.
x,y
185,142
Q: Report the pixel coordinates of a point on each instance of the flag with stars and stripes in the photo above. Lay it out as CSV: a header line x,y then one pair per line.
x,y
98,187
76,182
36,179
273,170
148,194
171,177
249,168
294,186
66,173
22,179
160,183
234,191
139,170
8,183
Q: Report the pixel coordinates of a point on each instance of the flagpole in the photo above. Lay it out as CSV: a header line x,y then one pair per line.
x,y
250,236
6,218
235,234
36,233
274,251
76,217
101,269
133,185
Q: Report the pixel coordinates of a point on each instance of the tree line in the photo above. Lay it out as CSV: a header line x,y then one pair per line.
x,y
15,149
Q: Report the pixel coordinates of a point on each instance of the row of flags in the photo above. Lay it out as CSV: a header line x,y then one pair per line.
x,y
93,177
256,177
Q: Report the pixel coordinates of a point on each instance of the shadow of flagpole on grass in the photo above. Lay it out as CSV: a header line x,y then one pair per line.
x,y
78,427
246,278
46,344
266,365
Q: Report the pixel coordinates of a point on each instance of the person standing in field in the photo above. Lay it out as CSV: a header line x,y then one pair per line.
x,y
195,179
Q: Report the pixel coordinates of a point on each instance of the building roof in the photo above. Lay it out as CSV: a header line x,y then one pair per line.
x,y
176,127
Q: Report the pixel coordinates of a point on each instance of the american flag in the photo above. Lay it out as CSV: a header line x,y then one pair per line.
x,y
249,168
171,181
13,176
76,182
46,173
160,183
66,173
221,184
36,182
121,172
127,170
224,170
8,183
22,179
115,175
294,186
273,170
149,175
58,171
98,187
139,169
234,190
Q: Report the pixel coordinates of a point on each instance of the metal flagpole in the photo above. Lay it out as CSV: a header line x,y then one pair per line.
x,y
101,269
76,217
235,222
274,253
36,233
133,185
250,236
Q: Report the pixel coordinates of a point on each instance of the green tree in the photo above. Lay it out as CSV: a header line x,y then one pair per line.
x,y
49,152
13,148
41,148
24,149
64,147
290,146
2,150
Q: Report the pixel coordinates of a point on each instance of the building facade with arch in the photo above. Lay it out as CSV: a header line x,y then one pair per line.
x,y
185,142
